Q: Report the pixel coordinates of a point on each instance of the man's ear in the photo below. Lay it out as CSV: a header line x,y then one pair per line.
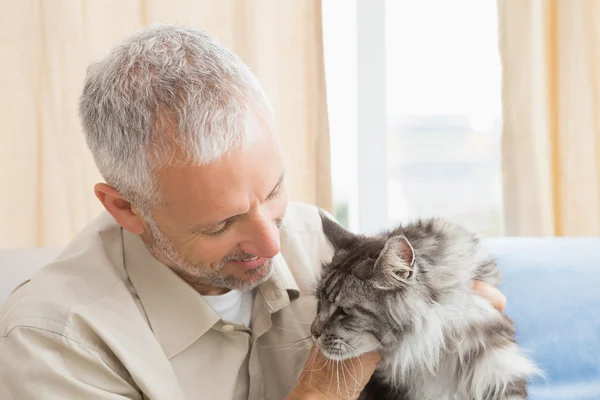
x,y
121,210
337,235
395,266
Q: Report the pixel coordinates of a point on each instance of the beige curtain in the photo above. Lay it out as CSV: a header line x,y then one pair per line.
x,y
46,171
550,51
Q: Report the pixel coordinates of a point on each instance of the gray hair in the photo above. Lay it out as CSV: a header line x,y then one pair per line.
x,y
166,96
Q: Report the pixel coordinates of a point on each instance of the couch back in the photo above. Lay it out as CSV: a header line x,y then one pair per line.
x,y
18,265
552,287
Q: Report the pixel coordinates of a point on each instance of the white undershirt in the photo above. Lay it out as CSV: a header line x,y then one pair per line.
x,y
233,306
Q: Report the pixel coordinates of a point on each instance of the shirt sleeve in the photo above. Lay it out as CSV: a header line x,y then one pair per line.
x,y
40,364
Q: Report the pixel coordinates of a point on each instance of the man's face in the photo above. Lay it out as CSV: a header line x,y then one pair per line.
x,y
218,226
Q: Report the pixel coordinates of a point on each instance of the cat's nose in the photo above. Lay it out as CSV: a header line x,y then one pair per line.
x,y
314,331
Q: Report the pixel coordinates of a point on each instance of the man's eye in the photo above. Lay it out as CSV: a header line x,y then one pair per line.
x,y
220,229
276,192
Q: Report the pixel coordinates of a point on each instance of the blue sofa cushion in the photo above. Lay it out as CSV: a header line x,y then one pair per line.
x,y
552,287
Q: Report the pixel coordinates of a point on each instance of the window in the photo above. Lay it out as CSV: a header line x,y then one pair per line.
x,y
339,36
418,83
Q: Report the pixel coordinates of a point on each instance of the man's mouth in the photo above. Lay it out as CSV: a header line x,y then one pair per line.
x,y
251,263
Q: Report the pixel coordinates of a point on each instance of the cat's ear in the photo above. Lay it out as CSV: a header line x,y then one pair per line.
x,y
395,266
337,235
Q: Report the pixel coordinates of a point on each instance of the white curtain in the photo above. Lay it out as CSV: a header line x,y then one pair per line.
x,y
550,51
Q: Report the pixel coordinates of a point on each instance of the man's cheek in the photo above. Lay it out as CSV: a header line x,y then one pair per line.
x,y
212,253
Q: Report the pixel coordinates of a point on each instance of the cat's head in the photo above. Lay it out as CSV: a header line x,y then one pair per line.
x,y
358,288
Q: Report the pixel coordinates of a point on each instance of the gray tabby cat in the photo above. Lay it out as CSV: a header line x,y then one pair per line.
x,y
407,294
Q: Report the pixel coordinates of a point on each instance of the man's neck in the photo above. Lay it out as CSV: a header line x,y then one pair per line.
x,y
207,290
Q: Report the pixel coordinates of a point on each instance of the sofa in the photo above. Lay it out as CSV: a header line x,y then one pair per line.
x,y
552,287
553,291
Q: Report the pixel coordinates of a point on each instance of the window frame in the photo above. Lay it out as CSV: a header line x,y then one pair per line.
x,y
371,116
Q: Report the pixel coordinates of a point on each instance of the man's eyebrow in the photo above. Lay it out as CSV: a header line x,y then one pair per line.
x,y
210,225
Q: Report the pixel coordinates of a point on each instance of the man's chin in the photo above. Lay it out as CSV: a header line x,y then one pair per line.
x,y
259,274
251,279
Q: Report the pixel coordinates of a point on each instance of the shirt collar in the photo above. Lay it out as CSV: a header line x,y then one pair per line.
x,y
281,288
177,313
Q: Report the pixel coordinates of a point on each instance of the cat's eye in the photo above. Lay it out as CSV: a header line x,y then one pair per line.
x,y
344,311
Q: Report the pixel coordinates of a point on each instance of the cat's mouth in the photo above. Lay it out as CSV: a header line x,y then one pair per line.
x,y
337,349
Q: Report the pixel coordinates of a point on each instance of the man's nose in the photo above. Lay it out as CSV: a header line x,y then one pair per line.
x,y
262,238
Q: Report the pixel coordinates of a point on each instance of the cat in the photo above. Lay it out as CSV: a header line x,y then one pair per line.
x,y
407,294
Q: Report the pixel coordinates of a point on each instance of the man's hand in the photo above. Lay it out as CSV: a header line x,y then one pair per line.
x,y
326,379
490,293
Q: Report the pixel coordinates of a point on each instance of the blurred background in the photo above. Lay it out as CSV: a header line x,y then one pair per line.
x,y
482,111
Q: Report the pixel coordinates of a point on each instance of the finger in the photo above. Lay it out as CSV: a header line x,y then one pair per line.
x,y
495,296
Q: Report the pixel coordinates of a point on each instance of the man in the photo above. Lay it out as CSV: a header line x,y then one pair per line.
x,y
195,283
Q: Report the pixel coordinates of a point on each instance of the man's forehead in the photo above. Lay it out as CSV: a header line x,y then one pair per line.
x,y
197,193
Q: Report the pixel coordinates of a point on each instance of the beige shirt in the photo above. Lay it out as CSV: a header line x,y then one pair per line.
x,y
106,320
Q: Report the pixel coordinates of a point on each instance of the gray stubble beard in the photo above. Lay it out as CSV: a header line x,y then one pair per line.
x,y
195,272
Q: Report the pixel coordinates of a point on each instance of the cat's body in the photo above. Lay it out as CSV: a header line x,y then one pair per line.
x,y
408,295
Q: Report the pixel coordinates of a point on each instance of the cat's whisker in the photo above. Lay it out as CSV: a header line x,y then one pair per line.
x,y
347,369
319,369
331,380
296,342
344,376
309,360
295,349
304,364
290,330
337,375
314,355
355,380
344,370
386,335
299,322
362,371
305,347
341,372
289,346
